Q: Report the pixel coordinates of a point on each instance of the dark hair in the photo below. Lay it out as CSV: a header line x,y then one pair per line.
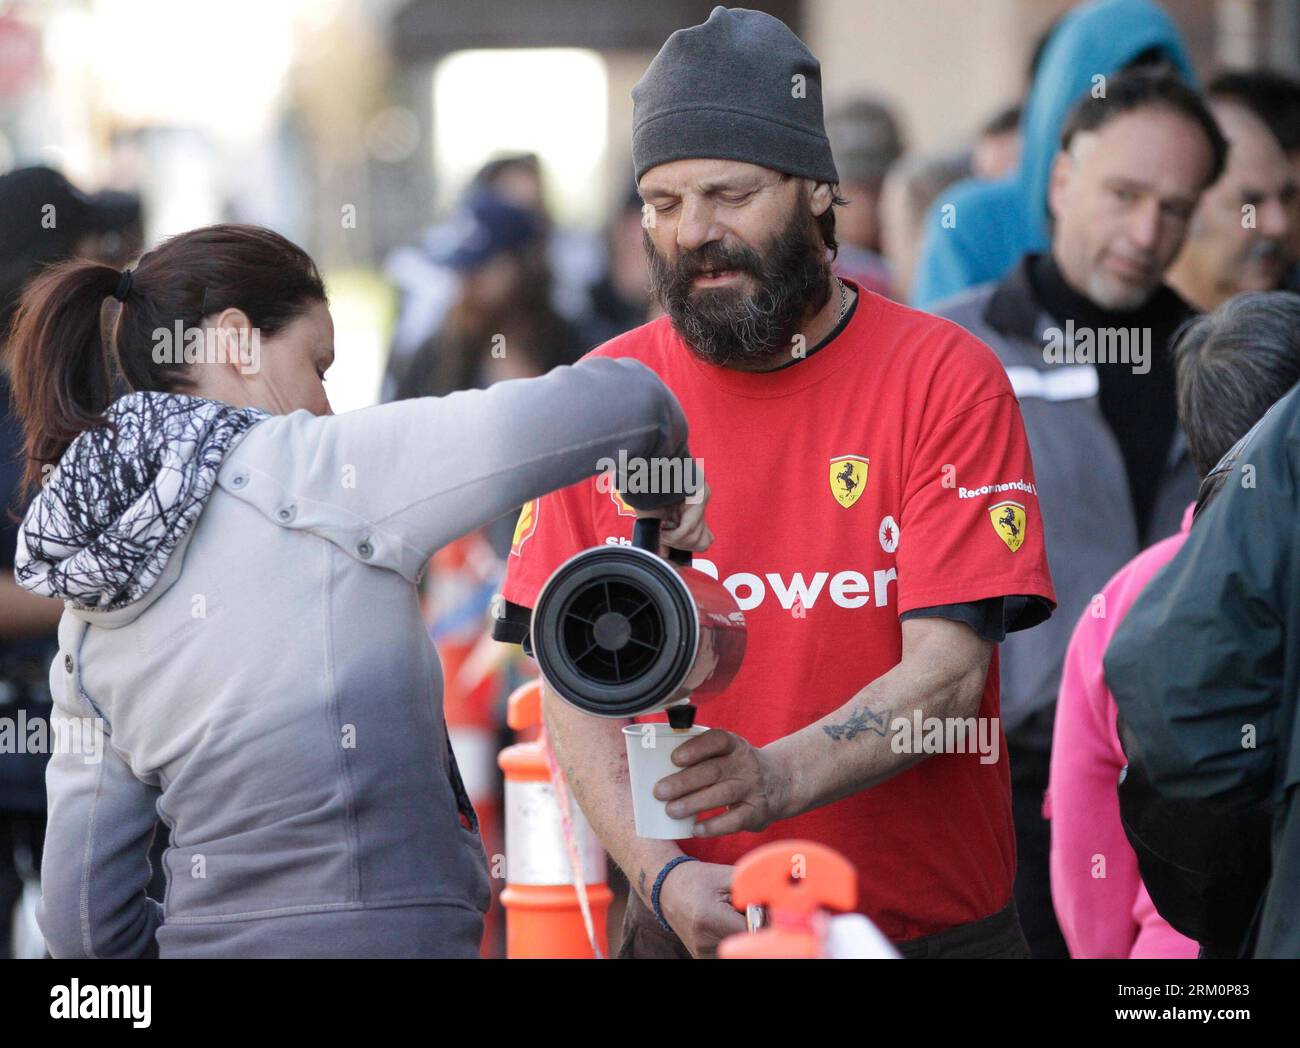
x,y
1271,96
826,220
64,365
1145,87
1154,57
1003,122
494,169
1232,365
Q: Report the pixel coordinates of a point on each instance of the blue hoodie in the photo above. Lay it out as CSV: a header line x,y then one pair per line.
x,y
998,222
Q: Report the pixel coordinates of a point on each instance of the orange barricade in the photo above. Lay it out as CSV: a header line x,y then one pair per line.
x,y
544,914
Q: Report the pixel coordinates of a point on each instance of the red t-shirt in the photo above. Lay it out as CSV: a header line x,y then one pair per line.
x,y
888,471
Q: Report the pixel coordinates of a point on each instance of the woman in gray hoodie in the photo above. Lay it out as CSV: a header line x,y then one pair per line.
x,y
242,653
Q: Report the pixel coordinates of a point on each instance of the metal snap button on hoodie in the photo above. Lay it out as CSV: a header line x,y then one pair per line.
x,y
239,480
286,513
365,550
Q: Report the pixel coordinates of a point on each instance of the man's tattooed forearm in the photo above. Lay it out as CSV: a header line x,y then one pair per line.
x,y
863,720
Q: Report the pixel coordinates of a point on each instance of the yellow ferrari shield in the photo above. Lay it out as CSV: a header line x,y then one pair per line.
x,y
524,527
624,510
848,478
1008,519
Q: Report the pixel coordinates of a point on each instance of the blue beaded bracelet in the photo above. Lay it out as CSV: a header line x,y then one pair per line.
x,y
669,866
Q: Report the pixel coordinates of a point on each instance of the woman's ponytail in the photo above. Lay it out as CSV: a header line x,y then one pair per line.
x,y
60,375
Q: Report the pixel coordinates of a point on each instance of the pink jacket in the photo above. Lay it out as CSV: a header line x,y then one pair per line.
x,y
1103,909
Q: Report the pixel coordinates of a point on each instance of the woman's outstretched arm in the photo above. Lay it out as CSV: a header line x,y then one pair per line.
x,y
401,480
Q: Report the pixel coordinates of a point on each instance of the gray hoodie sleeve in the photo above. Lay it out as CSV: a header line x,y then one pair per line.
x,y
394,483
96,862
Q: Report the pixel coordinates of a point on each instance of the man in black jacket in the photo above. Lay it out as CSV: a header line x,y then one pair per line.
x,y
1205,671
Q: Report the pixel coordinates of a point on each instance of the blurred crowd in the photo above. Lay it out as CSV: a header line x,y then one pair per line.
x,y
1015,224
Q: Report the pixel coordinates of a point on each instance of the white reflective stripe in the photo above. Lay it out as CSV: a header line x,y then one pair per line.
x,y
476,756
1062,382
535,851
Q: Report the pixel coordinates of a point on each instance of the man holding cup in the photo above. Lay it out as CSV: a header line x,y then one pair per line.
x,y
876,518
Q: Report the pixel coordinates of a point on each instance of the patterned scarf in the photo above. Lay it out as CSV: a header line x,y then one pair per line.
x,y
123,497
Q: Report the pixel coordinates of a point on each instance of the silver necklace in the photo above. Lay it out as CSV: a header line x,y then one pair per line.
x,y
844,300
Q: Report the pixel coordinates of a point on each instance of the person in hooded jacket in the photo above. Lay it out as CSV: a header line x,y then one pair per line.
x,y
241,652
978,230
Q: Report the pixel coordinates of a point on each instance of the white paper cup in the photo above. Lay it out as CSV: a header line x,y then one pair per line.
x,y
649,759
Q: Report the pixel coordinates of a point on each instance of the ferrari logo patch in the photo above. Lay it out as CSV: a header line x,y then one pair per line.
x,y
524,526
848,478
1008,520
624,510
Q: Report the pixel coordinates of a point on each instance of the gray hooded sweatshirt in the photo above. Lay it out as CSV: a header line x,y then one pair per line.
x,y
242,656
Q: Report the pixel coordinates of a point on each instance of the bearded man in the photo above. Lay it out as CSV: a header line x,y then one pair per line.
x,y
876,519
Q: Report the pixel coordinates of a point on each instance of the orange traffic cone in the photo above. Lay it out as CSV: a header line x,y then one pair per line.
x,y
797,882
547,914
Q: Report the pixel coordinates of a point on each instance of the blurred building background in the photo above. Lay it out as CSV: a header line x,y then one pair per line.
x,y
351,125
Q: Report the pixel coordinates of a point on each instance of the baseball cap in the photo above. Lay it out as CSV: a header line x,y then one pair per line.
x,y
485,225
40,207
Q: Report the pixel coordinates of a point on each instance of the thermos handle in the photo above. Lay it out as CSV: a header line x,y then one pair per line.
x,y
645,535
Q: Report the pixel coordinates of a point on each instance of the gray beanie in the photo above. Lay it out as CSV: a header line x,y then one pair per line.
x,y
739,87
